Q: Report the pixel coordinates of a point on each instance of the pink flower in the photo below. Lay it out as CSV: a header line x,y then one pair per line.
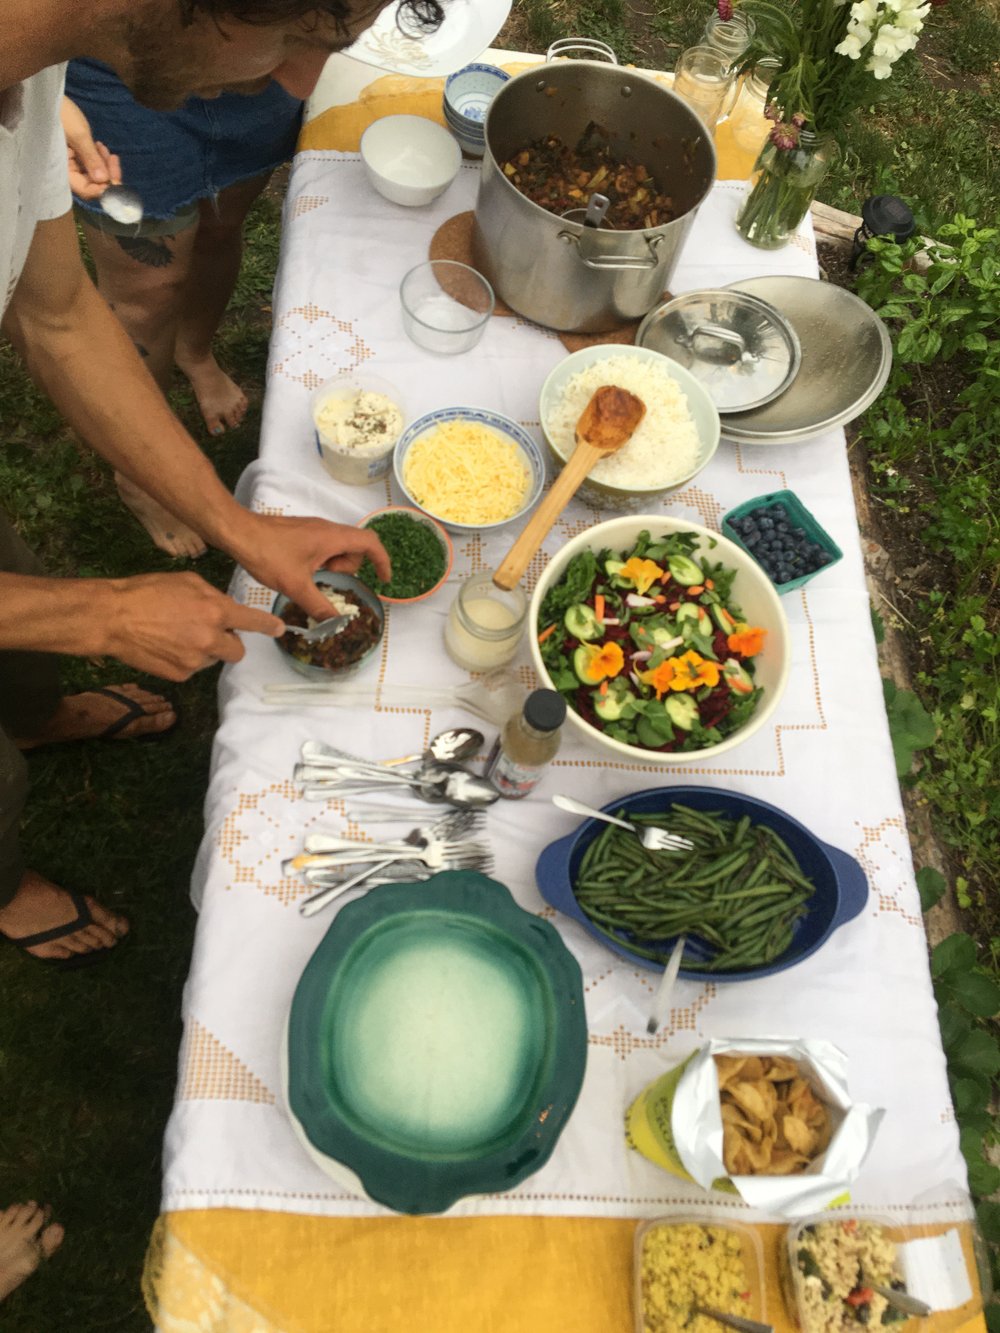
x,y
725,8
798,119
785,137
771,111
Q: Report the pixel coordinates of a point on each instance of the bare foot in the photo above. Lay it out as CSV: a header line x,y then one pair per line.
x,y
26,1238
40,905
223,403
167,532
87,716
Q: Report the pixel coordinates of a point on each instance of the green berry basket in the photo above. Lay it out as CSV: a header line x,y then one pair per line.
x,y
798,516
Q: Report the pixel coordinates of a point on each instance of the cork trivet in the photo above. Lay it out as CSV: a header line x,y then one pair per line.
x,y
453,240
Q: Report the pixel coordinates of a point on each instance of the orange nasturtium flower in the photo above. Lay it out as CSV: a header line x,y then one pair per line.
x,y
692,671
642,574
661,678
748,640
603,660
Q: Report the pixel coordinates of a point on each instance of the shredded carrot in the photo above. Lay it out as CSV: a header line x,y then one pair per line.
x,y
696,588
674,606
599,607
659,600
545,633
709,585
604,687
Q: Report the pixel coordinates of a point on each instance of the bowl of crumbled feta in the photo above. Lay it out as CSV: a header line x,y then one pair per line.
x,y
691,1261
358,418
343,653
677,437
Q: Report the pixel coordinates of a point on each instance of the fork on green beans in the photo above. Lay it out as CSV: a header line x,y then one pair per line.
x,y
655,839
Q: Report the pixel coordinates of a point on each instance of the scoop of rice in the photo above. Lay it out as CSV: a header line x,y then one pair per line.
x,y
665,447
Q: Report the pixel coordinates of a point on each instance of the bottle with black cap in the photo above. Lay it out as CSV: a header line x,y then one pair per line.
x,y
529,740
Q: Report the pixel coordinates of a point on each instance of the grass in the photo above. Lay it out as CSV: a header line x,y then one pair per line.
x,y
88,1061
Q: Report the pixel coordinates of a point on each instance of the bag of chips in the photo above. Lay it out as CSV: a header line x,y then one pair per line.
x,y
770,1118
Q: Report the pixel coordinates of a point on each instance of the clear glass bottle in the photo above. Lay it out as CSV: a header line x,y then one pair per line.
x,y
485,623
529,740
729,36
740,137
783,187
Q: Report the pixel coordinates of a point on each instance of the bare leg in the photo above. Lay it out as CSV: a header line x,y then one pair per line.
x,y
215,266
26,1238
143,280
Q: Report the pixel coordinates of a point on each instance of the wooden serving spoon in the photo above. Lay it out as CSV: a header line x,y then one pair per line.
x,y
608,421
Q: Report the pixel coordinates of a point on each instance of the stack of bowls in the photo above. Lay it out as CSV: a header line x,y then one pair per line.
x,y
467,97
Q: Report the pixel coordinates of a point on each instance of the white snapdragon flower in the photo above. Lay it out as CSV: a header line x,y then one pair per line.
x,y
860,32
880,67
865,12
850,47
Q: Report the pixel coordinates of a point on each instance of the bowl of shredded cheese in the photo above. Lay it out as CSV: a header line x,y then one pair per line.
x,y
470,468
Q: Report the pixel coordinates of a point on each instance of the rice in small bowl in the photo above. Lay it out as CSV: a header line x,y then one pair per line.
x,y
676,438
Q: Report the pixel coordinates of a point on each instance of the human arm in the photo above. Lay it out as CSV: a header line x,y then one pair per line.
x,y
79,353
92,166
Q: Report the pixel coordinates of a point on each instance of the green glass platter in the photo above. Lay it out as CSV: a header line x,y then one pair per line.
x,y
437,1042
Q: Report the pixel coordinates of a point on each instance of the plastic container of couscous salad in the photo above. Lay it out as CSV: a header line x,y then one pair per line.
x,y
830,1259
695,1259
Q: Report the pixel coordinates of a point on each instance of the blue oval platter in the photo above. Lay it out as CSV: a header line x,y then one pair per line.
x,y
840,894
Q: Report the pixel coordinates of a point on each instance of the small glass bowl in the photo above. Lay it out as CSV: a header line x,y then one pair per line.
x,y
418,516
446,306
347,583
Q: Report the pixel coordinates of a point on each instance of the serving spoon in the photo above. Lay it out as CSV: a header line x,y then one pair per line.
x,y
323,629
123,204
608,421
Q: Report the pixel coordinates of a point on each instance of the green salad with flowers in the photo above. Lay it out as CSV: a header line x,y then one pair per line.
x,y
648,646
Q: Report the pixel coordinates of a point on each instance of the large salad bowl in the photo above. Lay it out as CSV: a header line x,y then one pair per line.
x,y
753,594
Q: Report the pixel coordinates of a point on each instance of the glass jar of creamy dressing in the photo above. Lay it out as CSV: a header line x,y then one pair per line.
x,y
485,623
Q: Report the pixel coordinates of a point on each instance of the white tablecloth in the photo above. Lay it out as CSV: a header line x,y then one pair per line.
x,y
825,757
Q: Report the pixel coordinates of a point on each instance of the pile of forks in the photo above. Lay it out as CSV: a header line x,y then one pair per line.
x,y
447,844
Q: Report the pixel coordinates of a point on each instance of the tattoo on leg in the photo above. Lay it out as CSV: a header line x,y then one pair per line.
x,y
146,250
143,351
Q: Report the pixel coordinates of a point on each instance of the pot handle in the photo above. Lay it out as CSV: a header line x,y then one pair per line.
x,y
617,261
588,44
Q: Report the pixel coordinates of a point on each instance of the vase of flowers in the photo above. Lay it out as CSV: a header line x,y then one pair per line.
x,y
830,55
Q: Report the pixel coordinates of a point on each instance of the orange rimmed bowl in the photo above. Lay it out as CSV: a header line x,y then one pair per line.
x,y
439,532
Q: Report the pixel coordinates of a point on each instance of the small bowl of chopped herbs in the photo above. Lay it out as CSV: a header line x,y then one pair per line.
x,y
419,548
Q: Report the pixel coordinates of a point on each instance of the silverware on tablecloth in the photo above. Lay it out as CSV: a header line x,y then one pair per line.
x,y
451,746
455,824
471,857
655,839
493,696
438,782
665,990
435,852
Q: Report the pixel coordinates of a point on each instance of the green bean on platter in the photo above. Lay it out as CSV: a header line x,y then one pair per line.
x,y
739,889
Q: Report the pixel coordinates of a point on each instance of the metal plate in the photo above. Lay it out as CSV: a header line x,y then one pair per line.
x,y
846,359
741,349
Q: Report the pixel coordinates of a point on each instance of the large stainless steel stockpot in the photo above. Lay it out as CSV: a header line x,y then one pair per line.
x,y
554,270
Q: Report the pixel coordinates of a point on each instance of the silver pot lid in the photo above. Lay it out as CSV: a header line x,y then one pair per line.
x,y
742,350
846,359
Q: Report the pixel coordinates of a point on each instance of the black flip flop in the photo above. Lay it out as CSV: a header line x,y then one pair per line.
x,y
133,711
84,917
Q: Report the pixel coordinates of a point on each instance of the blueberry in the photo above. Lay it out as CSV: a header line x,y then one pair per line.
x,y
825,558
766,524
782,526
751,539
798,533
779,511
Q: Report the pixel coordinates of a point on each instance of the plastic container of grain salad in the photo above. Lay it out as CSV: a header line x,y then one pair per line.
x,y
940,1321
753,1306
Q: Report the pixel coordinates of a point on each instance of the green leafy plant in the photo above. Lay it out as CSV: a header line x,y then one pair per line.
x,y
911,727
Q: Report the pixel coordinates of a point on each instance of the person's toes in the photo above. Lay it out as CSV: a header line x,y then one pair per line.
x,y
27,1214
51,1238
113,922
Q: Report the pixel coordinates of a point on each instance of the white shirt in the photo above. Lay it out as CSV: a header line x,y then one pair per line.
x,y
34,183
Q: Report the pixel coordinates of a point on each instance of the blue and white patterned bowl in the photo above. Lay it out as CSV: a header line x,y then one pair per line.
x,y
529,450
469,92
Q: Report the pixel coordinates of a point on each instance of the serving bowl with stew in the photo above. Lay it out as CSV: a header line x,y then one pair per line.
x,y
342,654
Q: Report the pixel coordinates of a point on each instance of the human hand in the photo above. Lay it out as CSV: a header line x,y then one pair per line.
x,y
92,168
284,553
173,625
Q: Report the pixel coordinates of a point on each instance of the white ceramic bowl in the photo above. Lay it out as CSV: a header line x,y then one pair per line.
x,y
529,450
410,160
706,419
752,592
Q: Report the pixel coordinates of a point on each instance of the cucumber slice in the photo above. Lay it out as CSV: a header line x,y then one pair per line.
x,y
582,622
613,567
609,707
688,611
723,619
736,677
582,658
682,711
685,571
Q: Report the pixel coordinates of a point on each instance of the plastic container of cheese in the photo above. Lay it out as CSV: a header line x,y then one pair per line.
x,y
358,417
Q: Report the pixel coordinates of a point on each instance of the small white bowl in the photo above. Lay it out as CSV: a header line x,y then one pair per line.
x,y
409,160
753,592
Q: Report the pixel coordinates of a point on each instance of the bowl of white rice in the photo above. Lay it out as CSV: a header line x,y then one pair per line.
x,y
676,438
